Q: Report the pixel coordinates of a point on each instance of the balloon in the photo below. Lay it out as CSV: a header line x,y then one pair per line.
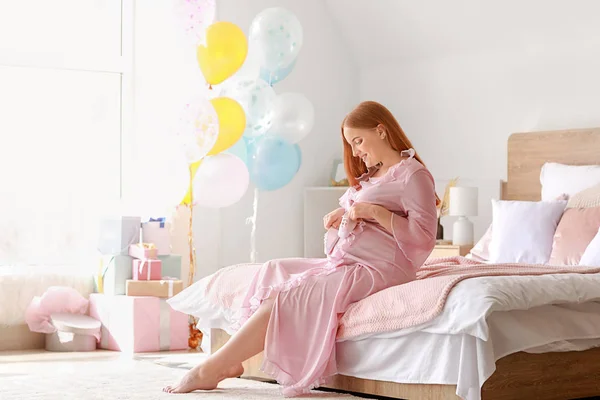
x,y
277,35
168,170
240,150
198,129
193,168
294,117
225,51
232,122
272,162
194,16
221,181
299,151
257,99
272,77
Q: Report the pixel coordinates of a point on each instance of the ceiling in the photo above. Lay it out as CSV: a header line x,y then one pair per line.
x,y
388,31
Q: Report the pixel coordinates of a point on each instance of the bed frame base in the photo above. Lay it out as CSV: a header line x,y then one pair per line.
x,y
548,376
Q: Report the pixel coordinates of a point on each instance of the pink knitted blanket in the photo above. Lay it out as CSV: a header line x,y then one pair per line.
x,y
397,307
420,301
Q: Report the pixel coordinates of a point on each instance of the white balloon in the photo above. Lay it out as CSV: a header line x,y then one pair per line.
x,y
278,35
197,128
193,17
257,99
161,181
221,180
294,117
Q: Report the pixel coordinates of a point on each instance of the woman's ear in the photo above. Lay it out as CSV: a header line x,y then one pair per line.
x,y
381,131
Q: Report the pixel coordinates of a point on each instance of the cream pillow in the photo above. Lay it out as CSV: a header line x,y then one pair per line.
x,y
523,230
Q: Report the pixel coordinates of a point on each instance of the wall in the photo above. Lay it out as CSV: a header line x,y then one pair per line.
x,y
459,111
325,74
166,73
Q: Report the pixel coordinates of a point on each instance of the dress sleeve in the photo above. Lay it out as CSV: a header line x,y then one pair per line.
x,y
415,232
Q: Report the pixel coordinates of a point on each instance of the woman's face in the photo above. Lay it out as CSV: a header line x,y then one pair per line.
x,y
367,144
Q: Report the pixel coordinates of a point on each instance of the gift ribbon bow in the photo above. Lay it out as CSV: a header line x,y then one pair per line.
x,y
161,220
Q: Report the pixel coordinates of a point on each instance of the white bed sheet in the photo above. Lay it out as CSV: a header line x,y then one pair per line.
x,y
466,360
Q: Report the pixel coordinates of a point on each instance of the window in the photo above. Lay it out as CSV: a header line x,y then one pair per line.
x,y
65,124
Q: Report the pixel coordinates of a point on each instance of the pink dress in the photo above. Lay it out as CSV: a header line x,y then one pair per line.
x,y
311,294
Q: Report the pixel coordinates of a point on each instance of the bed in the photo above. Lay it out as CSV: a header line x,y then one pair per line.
x,y
545,351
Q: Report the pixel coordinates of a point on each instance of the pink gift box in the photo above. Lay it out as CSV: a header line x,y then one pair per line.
x,y
147,270
133,324
143,251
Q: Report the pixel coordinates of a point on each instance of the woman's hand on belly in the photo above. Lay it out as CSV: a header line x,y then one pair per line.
x,y
368,211
333,219
362,210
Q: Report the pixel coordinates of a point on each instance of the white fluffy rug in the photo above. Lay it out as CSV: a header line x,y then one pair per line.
x,y
121,379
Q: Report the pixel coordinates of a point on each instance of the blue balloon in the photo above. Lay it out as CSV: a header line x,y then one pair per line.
x,y
299,151
272,162
279,74
240,150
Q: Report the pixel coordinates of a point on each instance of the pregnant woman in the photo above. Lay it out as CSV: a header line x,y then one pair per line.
x,y
382,233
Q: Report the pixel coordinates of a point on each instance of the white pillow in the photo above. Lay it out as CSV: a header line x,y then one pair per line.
x,y
524,230
591,255
557,179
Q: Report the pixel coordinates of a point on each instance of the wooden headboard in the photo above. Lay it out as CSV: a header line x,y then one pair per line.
x,y
527,152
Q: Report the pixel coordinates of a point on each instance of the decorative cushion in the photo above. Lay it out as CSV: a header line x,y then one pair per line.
x,y
524,230
481,251
587,198
557,179
575,231
591,255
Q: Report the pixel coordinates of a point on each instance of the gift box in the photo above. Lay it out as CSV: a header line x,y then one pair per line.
x,y
171,265
163,289
112,273
138,324
143,251
117,233
158,231
146,270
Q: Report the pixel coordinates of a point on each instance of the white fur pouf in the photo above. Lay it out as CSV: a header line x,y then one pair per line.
x,y
19,285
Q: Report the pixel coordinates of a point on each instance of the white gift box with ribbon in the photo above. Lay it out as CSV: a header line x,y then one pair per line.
x,y
158,232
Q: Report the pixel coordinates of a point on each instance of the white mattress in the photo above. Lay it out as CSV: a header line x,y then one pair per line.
x,y
466,360
19,285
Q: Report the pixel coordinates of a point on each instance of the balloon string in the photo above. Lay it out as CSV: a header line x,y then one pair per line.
x,y
192,270
252,219
194,334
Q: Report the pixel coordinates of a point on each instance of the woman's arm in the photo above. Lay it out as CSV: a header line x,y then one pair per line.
x,y
421,220
372,211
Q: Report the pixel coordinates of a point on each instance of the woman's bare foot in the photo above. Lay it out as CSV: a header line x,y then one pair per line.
x,y
202,378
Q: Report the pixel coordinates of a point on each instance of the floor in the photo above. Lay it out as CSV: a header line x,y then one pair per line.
x,y
111,375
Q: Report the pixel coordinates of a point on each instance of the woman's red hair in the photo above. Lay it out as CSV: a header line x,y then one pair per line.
x,y
369,115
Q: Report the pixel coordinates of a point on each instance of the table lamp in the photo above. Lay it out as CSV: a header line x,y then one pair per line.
x,y
463,204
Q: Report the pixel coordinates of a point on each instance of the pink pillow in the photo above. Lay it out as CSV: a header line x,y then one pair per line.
x,y
574,232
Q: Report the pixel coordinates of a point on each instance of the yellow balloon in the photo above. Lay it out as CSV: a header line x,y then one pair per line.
x,y
187,199
224,53
232,123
